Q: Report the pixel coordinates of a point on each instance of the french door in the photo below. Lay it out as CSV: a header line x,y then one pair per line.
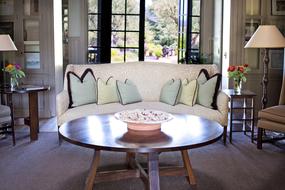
x,y
116,30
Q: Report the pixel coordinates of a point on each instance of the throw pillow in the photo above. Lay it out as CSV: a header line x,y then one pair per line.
x,y
208,89
107,91
128,92
82,90
170,91
188,93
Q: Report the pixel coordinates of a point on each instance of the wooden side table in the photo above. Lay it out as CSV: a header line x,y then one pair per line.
x,y
32,91
245,107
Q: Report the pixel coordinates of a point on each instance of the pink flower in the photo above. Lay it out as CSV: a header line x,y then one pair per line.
x,y
18,66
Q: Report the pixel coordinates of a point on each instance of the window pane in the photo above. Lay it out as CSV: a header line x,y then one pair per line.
x,y
252,7
133,6
196,7
195,24
6,7
118,6
132,55
133,23
92,39
31,7
93,55
118,22
195,41
117,39
31,47
93,6
132,39
117,55
31,30
93,22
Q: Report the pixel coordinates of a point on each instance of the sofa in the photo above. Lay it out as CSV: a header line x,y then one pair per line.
x,y
149,78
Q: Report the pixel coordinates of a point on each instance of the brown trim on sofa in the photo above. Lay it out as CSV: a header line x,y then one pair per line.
x,y
219,79
81,80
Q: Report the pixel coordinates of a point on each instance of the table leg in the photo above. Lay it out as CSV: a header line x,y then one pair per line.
x,y
187,165
34,116
244,116
252,119
153,171
10,104
130,156
231,119
93,170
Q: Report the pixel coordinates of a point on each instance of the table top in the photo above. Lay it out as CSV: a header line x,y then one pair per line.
x,y
25,89
105,132
243,93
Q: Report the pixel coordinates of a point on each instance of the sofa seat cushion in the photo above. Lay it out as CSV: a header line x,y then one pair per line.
x,y
275,114
93,109
271,125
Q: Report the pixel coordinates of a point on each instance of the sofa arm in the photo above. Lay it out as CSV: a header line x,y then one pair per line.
x,y
62,103
223,105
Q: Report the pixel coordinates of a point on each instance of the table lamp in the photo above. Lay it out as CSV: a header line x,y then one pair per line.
x,y
6,44
266,36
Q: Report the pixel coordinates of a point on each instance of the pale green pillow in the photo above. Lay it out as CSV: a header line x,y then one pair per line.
x,y
82,90
188,93
170,91
208,89
128,92
107,91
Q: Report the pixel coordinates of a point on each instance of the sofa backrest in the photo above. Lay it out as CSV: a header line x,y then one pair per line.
x,y
149,77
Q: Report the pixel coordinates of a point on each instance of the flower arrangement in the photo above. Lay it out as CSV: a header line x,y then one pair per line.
x,y
238,73
15,72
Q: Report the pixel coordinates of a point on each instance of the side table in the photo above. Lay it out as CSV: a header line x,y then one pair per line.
x,y
32,91
245,107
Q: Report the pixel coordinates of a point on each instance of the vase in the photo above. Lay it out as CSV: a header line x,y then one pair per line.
x,y
13,83
237,85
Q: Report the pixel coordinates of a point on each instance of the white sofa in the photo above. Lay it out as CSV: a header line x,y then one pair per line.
x,y
149,79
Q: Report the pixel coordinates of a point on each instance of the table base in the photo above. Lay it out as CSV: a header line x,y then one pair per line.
x,y
149,175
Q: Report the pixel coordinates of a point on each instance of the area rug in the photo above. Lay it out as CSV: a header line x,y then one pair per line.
x,y
44,165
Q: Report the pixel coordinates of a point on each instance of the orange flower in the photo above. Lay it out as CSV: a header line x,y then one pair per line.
x,y
9,67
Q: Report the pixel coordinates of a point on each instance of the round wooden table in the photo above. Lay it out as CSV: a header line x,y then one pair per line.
x,y
104,132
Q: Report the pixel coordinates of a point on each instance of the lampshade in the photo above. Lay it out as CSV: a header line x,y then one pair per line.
x,y
6,44
266,36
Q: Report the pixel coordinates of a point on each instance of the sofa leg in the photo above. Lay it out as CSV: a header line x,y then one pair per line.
x,y
259,138
225,135
59,137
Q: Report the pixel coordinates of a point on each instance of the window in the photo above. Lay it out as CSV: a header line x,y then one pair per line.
x,y
189,31
193,47
125,30
93,31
